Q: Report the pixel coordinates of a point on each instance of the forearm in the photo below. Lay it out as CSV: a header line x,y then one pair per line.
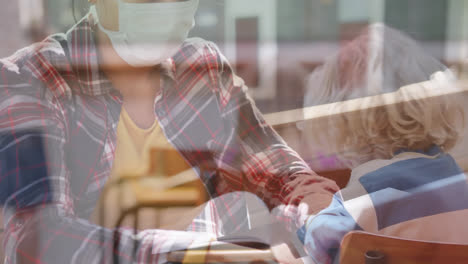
x,y
285,179
261,160
274,171
310,190
51,237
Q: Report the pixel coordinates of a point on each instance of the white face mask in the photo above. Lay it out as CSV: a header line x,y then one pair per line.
x,y
150,33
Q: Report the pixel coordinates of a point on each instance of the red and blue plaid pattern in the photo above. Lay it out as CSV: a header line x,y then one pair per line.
x,y
55,91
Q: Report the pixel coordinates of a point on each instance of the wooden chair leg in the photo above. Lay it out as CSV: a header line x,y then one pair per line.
x,y
132,210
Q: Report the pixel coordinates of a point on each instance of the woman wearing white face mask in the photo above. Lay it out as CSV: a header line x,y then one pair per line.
x,y
122,81
133,37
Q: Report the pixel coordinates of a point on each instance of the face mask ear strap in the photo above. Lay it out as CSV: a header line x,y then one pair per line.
x,y
73,11
93,15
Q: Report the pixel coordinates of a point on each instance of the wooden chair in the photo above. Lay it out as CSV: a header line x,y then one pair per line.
x,y
244,255
184,193
2,254
361,247
190,193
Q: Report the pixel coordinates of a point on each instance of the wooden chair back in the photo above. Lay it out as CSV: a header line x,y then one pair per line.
x,y
361,247
254,256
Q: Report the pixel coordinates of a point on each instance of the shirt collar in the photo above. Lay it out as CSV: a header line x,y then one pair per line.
x,y
432,151
84,60
403,154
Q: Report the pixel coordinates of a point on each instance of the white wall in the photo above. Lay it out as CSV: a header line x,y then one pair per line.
x,y
354,10
12,37
457,30
265,10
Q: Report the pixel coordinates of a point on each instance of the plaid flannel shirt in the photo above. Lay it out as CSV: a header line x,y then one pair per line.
x,y
53,93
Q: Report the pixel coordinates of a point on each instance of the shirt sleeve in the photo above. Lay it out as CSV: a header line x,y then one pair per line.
x,y
41,225
322,234
256,159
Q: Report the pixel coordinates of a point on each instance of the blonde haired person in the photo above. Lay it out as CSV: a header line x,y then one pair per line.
x,y
403,182
379,61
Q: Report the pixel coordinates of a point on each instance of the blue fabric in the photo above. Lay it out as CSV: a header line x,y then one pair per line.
x,y
400,192
326,230
27,169
301,234
432,151
427,187
401,175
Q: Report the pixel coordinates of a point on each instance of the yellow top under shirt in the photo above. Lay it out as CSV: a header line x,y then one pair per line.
x,y
134,144
132,158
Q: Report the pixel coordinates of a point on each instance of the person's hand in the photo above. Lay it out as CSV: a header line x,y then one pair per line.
x,y
292,216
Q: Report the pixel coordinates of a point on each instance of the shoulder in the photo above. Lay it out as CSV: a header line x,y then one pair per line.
x,y
31,79
38,66
201,53
199,46
49,50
